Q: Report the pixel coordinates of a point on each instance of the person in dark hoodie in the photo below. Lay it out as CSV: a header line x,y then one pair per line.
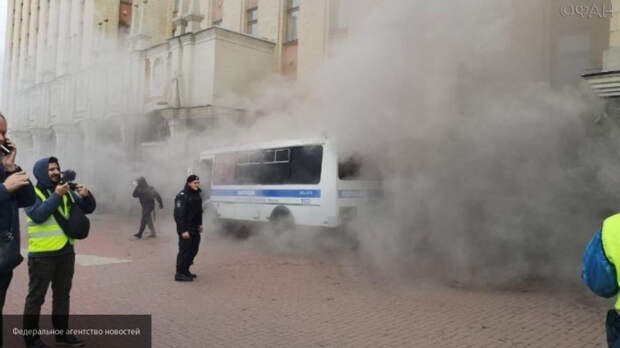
x,y
147,196
16,191
51,257
188,217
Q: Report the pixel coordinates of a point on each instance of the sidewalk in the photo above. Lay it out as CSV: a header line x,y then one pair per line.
x,y
245,296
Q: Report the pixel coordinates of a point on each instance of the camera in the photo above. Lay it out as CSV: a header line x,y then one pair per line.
x,y
68,176
5,149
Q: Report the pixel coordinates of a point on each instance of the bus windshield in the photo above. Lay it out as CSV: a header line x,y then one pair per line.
x,y
277,166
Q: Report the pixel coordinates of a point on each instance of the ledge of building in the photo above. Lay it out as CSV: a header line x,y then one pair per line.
x,y
605,83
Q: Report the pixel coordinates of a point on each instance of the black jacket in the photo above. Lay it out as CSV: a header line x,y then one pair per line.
x,y
9,203
147,195
188,210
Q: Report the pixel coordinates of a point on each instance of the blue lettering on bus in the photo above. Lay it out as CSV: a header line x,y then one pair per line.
x,y
268,193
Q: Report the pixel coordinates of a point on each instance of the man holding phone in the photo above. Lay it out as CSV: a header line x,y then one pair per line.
x,y
16,191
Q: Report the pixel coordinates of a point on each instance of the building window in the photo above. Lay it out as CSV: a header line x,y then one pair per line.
x,y
251,24
291,19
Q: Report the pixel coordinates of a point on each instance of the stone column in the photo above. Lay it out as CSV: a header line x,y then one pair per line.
x,y
193,17
41,38
88,129
43,142
176,118
64,26
32,42
187,65
52,40
179,20
139,38
75,44
23,47
69,146
8,53
12,89
23,140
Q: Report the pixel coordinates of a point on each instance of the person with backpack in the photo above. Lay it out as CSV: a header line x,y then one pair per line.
x,y
51,255
147,196
599,272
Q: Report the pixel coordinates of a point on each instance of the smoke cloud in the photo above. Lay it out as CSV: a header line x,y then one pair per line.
x,y
491,175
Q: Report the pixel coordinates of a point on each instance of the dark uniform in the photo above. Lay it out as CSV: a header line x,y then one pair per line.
x,y
188,217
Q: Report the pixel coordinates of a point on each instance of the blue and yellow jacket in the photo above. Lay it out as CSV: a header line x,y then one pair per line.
x,y
42,210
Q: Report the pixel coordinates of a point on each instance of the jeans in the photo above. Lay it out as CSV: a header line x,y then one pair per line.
x,y
57,270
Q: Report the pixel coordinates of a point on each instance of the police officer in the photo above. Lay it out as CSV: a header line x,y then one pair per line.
x,y
188,217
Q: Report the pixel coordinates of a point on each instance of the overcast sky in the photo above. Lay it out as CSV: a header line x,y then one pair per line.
x,y
3,9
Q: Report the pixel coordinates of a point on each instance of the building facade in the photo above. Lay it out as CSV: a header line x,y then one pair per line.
x,y
605,82
123,78
126,76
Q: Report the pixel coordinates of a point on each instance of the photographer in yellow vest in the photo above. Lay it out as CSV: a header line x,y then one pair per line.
x,y
51,257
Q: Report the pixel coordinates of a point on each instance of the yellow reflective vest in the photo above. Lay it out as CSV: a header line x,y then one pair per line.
x,y
49,236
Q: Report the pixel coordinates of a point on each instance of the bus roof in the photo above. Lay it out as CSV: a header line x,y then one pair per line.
x,y
263,145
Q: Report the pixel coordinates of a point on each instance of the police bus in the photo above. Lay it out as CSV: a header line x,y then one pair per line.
x,y
285,183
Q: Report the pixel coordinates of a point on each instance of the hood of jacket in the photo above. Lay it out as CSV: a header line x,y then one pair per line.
x,y
40,171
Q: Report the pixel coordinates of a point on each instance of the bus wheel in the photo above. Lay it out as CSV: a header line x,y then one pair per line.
x,y
242,232
281,220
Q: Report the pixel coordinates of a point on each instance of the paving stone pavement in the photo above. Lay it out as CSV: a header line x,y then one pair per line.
x,y
247,296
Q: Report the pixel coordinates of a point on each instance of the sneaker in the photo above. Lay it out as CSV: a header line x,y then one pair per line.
x,y
180,277
36,344
138,235
152,235
193,275
68,341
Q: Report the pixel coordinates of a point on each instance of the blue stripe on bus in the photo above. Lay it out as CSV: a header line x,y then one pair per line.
x,y
268,193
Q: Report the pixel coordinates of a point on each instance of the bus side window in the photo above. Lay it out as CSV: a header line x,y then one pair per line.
x,y
306,164
224,169
276,168
358,168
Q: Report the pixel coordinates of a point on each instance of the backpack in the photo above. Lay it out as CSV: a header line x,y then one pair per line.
x,y
77,225
598,273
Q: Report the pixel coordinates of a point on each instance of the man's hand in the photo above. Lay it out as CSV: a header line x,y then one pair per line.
x,y
185,235
82,190
15,181
202,228
61,190
8,161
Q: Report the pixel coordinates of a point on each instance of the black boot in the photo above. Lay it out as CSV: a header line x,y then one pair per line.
x,y
36,343
68,341
188,273
182,277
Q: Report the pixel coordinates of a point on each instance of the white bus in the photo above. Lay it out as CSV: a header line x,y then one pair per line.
x,y
285,183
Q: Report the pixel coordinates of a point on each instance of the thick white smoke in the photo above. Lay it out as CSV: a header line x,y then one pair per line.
x,y
491,175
